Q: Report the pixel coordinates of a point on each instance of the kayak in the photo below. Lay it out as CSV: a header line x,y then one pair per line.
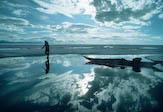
x,y
136,63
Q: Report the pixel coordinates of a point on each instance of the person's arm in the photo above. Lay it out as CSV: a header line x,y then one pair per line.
x,y
42,46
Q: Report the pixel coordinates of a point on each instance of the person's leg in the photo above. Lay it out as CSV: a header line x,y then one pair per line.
x,y
46,51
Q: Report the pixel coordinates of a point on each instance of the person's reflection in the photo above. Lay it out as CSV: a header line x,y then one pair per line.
x,y
47,64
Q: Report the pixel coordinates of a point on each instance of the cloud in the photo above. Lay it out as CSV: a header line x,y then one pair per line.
x,y
14,4
108,20
13,24
131,27
14,21
20,12
66,28
105,11
125,10
85,33
11,28
65,7
68,32
77,28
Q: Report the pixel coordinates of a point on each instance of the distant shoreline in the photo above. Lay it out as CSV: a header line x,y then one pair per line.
x,y
33,43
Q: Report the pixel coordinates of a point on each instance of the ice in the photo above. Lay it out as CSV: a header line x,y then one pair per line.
x,y
155,58
149,48
35,50
158,66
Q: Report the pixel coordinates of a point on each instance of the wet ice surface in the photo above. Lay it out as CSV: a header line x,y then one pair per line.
x,y
11,50
73,86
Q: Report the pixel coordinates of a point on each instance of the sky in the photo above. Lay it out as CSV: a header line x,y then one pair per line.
x,y
82,21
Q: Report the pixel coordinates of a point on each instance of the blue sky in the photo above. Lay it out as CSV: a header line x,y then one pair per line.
x,y
82,21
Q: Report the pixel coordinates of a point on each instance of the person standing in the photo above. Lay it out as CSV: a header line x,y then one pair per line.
x,y
46,45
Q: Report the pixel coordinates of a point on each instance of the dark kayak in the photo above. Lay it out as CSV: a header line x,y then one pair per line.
x,y
136,63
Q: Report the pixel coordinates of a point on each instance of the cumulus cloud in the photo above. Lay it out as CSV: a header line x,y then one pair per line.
x,y
66,32
119,12
20,12
14,4
110,20
13,24
84,33
125,10
130,27
97,31
65,7
11,28
74,27
14,21
64,28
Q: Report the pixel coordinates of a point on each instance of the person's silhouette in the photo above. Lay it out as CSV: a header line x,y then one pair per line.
x,y
46,45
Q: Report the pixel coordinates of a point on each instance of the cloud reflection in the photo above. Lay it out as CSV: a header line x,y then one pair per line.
x,y
84,88
55,87
115,88
121,90
84,83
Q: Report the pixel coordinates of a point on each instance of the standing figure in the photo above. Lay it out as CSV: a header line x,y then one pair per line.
x,y
46,45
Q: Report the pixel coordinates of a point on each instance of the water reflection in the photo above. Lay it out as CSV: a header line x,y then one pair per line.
x,y
72,86
119,90
47,65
